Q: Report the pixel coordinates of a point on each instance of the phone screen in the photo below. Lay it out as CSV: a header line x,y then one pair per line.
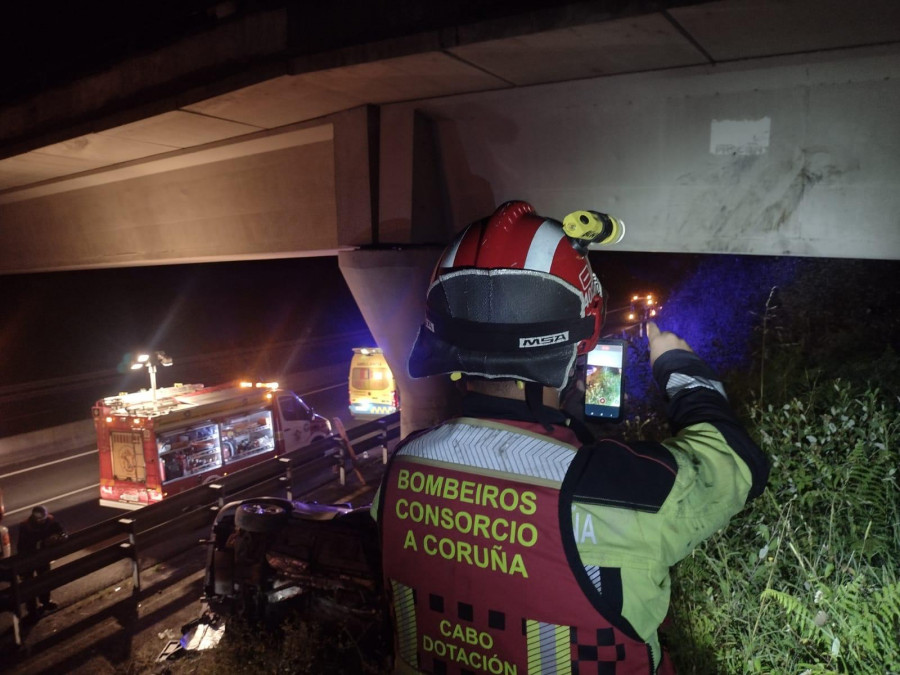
x,y
603,380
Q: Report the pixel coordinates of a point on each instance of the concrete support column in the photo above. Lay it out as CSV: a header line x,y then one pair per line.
x,y
389,286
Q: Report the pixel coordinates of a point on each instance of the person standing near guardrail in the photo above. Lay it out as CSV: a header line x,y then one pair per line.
x,y
38,532
5,545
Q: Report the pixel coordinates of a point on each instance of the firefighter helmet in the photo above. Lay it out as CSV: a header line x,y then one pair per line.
x,y
511,298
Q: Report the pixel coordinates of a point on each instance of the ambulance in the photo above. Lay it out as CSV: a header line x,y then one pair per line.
x,y
373,392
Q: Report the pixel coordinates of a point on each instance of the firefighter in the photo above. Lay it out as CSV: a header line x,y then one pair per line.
x,y
510,545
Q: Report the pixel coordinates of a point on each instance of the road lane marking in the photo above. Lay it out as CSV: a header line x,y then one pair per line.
x,y
55,461
54,499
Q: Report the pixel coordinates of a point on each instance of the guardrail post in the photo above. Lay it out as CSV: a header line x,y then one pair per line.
x,y
128,525
218,491
287,478
17,632
382,436
16,608
348,450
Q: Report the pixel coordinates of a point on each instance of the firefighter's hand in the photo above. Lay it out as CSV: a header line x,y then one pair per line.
x,y
663,341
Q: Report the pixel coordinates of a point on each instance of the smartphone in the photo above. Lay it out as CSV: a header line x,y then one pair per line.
x,y
603,380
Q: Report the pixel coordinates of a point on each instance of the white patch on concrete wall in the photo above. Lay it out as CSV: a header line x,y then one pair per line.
x,y
739,137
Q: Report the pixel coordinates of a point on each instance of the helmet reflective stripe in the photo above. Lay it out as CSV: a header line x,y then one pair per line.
x,y
449,256
502,241
543,247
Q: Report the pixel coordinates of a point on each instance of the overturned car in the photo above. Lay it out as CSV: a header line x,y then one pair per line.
x,y
270,558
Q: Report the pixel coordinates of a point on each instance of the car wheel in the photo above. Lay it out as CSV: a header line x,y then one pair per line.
x,y
260,517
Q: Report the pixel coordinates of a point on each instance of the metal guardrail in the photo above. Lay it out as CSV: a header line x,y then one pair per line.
x,y
122,538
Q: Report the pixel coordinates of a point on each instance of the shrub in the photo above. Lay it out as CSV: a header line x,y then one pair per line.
x,y
807,579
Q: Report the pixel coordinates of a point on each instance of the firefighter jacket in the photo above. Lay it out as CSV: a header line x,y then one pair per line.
x,y
507,549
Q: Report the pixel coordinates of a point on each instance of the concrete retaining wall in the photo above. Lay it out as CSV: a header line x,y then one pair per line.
x,y
46,442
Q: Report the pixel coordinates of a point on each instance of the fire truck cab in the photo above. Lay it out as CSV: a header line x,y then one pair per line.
x,y
154,444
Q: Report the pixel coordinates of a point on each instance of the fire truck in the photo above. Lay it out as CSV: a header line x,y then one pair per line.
x,y
157,443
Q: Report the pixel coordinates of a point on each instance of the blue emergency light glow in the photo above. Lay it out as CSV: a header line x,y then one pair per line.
x,y
717,310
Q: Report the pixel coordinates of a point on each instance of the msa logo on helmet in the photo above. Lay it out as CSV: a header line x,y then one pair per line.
x,y
543,340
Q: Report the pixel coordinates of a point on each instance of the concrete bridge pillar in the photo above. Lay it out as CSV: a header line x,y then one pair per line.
x,y
389,275
389,286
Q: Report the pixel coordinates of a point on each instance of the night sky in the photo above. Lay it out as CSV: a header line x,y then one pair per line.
x,y
65,323
68,323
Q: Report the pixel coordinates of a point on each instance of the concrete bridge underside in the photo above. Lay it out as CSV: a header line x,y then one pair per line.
x,y
733,126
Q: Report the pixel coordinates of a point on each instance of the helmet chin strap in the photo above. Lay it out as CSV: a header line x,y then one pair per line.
x,y
534,399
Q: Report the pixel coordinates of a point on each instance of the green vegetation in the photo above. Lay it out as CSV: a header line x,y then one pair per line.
x,y
807,578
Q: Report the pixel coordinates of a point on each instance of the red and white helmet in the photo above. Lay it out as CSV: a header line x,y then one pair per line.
x,y
510,298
